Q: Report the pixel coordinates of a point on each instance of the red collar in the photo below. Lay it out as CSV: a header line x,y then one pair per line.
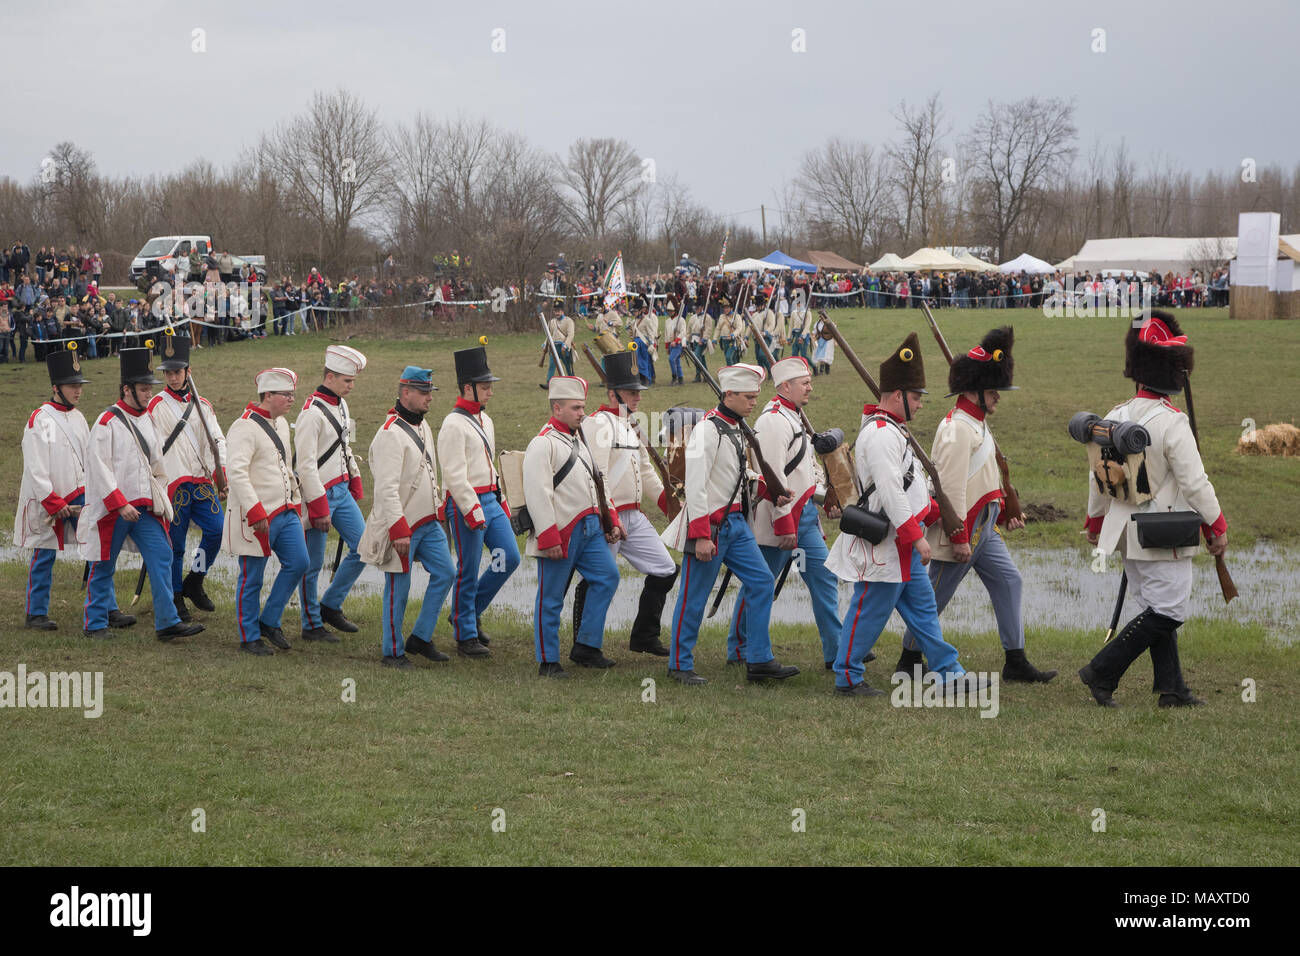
x,y
59,407
1145,393
472,407
724,416
970,408
613,411
868,409
179,396
329,398
787,403
559,426
886,412
257,409
128,409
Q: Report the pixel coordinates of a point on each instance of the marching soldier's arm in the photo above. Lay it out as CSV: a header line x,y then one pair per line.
x,y
99,463
886,449
951,454
453,452
386,454
1098,505
355,486
539,494
307,441
568,330
651,486
701,456
600,439
1189,471
210,417
241,445
37,443
774,433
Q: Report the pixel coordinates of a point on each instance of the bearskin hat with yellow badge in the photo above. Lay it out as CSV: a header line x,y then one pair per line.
x,y
904,369
987,366
1157,354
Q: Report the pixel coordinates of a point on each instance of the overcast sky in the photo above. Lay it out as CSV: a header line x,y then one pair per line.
x,y
712,91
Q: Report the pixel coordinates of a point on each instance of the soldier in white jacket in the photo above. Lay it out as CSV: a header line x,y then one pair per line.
x,y
562,333
713,529
54,478
331,487
263,512
191,472
896,485
562,491
476,514
127,503
403,526
1159,578
780,530
700,338
674,342
630,478
646,336
963,454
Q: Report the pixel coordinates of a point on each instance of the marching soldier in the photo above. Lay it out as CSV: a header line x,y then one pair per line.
x,y
1159,578
800,334
563,490
712,529
772,328
264,511
562,332
127,503
646,335
728,333
675,341
894,483
968,471
191,472
474,509
403,526
700,331
611,321
630,477
53,485
779,530
824,349
330,480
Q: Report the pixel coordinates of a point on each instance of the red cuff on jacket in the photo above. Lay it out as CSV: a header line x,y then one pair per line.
x,y
115,500
932,514
399,530
320,508
550,538
355,489
700,528
663,501
613,516
961,537
761,491
1093,524
255,514
1219,527
53,504
475,518
441,513
909,531
785,525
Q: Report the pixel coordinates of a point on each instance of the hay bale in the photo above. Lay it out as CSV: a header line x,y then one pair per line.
x,y
1279,440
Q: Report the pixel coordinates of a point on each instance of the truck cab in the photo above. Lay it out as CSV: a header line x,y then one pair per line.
x,y
163,251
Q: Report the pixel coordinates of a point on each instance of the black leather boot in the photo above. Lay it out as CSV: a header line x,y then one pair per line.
x,y
192,588
1167,680
1103,672
645,629
1018,668
908,661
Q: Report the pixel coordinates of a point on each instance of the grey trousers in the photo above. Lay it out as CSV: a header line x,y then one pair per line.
x,y
992,562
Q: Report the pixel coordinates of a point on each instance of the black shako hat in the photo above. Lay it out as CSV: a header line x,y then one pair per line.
x,y
904,369
135,367
472,366
987,366
175,353
64,366
620,372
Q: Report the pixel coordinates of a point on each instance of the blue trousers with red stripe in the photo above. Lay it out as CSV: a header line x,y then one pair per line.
x,y
470,593
869,610
288,544
589,555
194,502
738,551
349,523
645,366
155,548
40,572
429,547
823,586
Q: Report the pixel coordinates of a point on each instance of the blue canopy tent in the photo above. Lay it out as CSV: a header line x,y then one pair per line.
x,y
781,259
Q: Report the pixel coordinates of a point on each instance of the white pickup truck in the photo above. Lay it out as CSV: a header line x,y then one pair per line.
x,y
164,252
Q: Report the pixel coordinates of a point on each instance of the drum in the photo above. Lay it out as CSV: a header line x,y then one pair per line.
x,y
608,343
841,476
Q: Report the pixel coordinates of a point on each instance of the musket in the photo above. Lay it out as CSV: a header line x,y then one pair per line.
x,y
675,491
219,475
338,556
832,500
952,522
1226,584
1008,489
773,487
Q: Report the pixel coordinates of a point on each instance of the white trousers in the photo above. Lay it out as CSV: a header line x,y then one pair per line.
x,y
642,547
1163,586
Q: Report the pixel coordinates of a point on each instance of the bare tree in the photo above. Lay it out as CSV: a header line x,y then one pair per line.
x,y
603,175
918,166
1018,150
72,188
846,190
333,164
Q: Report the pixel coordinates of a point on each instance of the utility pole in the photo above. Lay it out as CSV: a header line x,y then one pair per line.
x,y
762,209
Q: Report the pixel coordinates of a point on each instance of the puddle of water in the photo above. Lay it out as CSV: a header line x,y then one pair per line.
x,y
1060,591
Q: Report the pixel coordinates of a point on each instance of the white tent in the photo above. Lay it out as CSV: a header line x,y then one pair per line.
x,y
751,265
979,265
927,258
1153,253
1065,265
1026,263
886,263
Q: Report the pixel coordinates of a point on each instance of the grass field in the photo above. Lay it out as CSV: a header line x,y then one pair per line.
x,y
587,771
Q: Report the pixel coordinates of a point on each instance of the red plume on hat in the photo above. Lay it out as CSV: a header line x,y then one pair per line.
x,y
1157,354
988,365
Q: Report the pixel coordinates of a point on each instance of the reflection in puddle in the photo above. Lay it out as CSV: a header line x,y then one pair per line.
x,y
1060,591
